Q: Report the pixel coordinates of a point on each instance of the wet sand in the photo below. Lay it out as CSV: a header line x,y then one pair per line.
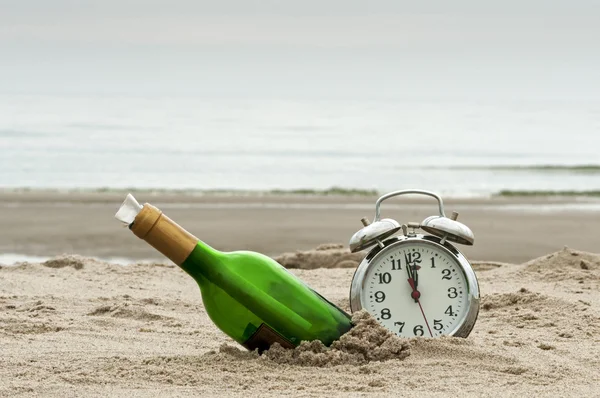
x,y
506,229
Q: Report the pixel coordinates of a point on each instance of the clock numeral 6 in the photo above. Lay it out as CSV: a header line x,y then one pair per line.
x,y
418,330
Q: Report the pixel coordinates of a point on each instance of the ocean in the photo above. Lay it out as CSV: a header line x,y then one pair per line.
x,y
460,149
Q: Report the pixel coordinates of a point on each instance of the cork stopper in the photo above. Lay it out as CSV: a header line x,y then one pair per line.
x,y
162,233
128,210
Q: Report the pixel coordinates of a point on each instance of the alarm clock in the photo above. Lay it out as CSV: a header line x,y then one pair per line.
x,y
413,280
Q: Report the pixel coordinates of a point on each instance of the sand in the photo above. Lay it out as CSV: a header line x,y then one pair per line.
x,y
77,326
74,326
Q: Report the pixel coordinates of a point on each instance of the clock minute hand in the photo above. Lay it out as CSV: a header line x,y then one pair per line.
x,y
416,295
415,272
412,270
411,281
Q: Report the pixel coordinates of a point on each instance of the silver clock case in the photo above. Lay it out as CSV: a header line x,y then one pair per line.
x,y
466,324
373,233
449,228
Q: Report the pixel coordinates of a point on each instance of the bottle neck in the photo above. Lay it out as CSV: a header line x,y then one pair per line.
x,y
202,262
163,234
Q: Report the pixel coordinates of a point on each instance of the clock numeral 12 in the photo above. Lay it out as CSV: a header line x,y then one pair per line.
x,y
413,258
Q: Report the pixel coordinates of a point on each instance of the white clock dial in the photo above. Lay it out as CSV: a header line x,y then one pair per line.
x,y
430,299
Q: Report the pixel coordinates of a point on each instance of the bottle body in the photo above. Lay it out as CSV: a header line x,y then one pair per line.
x,y
249,296
257,302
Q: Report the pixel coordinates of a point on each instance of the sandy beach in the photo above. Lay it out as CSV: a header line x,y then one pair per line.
x,y
274,127
77,326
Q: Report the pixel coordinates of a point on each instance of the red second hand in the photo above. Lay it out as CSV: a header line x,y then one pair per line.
x,y
424,317
416,295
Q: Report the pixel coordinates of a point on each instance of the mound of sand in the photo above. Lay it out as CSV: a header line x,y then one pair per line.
x,y
330,255
126,310
480,266
367,341
566,264
67,260
522,297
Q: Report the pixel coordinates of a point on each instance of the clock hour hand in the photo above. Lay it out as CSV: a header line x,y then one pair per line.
x,y
415,272
412,269
413,285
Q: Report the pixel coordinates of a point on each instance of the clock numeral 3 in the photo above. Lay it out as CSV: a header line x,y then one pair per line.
x,y
452,293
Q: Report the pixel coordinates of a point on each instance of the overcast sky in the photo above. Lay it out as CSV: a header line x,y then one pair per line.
x,y
437,49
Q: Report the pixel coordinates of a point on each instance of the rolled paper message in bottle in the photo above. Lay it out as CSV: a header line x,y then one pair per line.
x,y
249,296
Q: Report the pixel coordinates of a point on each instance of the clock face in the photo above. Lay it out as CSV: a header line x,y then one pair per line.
x,y
416,288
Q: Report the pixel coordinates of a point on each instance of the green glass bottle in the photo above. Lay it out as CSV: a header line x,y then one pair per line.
x,y
249,296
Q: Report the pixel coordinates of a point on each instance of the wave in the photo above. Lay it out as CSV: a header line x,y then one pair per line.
x,y
333,191
547,168
511,193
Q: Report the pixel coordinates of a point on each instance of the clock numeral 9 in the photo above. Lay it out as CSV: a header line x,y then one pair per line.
x,y
386,278
437,324
385,313
379,296
452,293
418,330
